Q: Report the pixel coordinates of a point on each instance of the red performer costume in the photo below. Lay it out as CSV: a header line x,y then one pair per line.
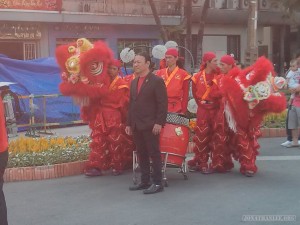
x,y
222,153
177,83
129,78
102,98
248,95
208,98
115,150
3,163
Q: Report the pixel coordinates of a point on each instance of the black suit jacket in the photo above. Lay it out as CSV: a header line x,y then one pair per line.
x,y
150,105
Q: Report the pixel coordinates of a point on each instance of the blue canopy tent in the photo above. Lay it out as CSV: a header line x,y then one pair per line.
x,y
38,77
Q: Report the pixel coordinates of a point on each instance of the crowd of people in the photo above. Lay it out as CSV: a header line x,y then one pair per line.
x,y
133,112
149,96
130,112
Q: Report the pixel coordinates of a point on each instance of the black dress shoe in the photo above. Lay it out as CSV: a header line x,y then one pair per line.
x,y
139,186
154,188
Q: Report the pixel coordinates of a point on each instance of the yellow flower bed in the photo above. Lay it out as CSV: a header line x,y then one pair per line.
x,y
26,144
26,151
275,120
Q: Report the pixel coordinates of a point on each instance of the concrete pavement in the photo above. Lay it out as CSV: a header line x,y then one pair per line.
x,y
216,199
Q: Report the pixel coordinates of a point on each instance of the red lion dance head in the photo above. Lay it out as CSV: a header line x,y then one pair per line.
x,y
84,69
252,93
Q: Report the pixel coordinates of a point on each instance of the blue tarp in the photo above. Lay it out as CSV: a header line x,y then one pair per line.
x,y
39,77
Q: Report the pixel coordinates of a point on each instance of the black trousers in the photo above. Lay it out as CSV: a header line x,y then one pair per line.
x,y
3,209
147,145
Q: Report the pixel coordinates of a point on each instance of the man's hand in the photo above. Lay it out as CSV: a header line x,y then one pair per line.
x,y
128,130
156,129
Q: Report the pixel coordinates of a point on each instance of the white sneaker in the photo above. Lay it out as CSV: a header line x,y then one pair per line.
x,y
292,145
285,144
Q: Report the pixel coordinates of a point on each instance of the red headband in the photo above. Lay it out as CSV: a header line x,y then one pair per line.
x,y
208,56
172,51
116,63
227,59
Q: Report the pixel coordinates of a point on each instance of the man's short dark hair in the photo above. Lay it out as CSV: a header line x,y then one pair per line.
x,y
145,55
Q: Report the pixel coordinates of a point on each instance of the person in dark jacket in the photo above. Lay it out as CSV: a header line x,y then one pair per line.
x,y
147,114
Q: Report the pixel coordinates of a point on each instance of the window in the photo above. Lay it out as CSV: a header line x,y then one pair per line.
x,y
234,46
29,50
21,50
136,45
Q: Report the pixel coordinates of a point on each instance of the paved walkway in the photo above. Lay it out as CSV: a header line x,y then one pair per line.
x,y
216,199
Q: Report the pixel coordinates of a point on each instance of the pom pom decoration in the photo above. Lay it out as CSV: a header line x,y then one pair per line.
x,y
127,55
171,44
192,106
159,51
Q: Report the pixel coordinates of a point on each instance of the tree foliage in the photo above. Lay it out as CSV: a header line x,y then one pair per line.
x,y
289,6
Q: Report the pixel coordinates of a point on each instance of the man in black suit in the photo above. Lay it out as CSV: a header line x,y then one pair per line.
x,y
147,114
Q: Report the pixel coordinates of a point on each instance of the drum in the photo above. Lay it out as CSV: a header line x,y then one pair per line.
x,y
174,138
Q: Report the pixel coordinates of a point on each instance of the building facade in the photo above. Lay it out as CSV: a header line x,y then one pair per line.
x,y
226,30
33,28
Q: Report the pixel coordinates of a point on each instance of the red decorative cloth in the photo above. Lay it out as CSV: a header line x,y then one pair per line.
x,y
208,56
116,63
172,51
227,59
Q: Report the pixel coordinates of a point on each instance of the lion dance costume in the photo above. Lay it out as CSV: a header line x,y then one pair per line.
x,y
103,103
209,138
248,95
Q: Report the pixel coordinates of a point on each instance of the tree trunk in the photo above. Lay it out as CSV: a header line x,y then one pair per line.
x,y
162,31
188,37
201,32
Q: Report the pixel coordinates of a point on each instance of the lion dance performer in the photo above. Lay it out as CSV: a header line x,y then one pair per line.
x,y
102,96
207,138
248,95
177,83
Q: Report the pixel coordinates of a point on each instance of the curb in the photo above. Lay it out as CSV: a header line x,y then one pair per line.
x,y
273,132
77,168
44,172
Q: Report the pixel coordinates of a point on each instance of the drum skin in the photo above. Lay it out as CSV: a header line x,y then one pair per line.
x,y
174,139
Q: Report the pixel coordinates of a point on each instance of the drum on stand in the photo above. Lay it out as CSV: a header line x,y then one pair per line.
x,y
174,138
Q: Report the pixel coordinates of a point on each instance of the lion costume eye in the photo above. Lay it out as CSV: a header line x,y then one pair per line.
x,y
71,49
72,65
96,68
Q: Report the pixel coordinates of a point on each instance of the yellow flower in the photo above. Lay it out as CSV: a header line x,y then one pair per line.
x,y
30,145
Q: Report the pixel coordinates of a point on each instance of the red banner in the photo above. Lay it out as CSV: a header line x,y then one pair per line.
x,y
49,5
